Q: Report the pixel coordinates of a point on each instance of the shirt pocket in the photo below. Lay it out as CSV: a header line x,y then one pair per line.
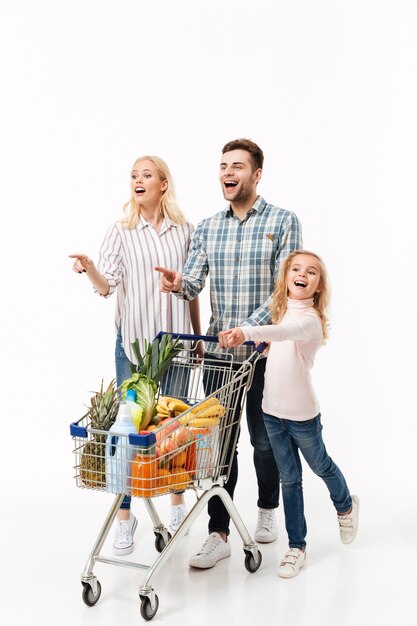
x,y
263,249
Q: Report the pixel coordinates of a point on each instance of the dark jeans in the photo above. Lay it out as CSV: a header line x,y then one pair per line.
x,y
263,457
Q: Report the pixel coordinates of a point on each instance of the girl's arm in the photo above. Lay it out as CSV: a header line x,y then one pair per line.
x,y
304,328
84,264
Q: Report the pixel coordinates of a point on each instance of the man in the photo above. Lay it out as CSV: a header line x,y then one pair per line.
x,y
242,248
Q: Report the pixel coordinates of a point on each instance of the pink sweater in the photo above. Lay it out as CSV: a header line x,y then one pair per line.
x,y
288,391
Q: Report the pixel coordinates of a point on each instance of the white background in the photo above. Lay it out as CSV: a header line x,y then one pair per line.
x,y
328,89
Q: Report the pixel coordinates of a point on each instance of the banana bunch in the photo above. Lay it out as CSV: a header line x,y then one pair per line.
x,y
170,407
208,413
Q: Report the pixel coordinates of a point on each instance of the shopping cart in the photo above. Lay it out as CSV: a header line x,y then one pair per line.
x,y
190,449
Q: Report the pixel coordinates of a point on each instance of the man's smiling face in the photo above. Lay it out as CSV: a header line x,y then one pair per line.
x,y
237,177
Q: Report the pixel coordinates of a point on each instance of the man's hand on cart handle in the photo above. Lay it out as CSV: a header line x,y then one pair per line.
x,y
231,338
170,280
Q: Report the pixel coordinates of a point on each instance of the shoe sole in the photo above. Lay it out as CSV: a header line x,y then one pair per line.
x,y
263,540
129,549
173,532
201,566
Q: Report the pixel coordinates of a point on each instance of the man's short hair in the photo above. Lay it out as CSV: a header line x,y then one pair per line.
x,y
255,152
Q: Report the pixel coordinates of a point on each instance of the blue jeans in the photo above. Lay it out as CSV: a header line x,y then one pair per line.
x,y
288,438
263,457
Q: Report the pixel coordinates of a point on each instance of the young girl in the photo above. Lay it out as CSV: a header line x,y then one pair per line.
x,y
290,407
154,232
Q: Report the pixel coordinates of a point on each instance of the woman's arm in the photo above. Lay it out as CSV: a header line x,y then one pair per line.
x,y
84,264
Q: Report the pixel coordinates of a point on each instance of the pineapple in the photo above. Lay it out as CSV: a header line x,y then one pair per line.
x,y
101,415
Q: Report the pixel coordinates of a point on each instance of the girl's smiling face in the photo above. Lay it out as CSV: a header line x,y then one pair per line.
x,y
303,279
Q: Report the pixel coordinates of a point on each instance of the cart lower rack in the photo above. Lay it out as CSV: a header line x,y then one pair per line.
x,y
192,448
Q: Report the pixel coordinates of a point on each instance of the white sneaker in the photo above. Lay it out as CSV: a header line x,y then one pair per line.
x,y
291,563
348,524
178,515
123,541
214,549
266,527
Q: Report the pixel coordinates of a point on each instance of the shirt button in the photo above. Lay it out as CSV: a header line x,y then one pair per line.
x,y
237,257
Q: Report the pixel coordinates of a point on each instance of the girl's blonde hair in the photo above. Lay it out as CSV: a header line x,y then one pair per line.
x,y
169,207
320,299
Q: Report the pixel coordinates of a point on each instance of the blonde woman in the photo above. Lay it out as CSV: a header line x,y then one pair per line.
x,y
154,232
291,411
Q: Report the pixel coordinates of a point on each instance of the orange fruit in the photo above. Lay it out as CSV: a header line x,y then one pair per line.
x,y
163,481
178,459
180,479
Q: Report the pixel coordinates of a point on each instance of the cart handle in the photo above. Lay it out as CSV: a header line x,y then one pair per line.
x,y
210,338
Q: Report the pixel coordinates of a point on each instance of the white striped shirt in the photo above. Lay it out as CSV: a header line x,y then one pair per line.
x,y
127,260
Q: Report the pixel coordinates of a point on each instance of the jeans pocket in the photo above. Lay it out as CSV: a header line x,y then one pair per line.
x,y
313,422
308,422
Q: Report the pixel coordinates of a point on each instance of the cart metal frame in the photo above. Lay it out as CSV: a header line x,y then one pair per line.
x,y
235,379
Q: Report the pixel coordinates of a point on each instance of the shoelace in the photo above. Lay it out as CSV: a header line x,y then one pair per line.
x,y
176,519
210,544
123,532
266,519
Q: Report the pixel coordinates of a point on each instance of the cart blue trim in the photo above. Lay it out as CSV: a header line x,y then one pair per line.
x,y
209,338
144,441
78,431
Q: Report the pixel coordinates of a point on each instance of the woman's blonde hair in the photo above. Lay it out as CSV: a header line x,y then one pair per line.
x,y
320,299
169,207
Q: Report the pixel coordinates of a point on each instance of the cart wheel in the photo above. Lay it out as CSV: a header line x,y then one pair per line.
x,y
146,610
250,563
160,541
88,596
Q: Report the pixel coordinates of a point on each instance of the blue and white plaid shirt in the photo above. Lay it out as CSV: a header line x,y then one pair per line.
x,y
243,258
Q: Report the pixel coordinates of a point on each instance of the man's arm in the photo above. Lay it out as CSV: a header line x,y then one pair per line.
x,y
290,238
191,281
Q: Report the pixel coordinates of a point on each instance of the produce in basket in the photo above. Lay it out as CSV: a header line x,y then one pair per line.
x,y
157,356
146,390
101,415
156,359
170,407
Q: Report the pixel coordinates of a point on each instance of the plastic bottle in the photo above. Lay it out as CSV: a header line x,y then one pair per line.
x,y
119,453
135,410
205,450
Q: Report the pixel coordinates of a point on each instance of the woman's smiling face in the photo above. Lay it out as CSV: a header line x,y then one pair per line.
x,y
145,183
303,279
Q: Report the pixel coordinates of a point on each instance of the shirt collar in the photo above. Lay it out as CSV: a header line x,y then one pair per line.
x,y
258,206
166,224
308,303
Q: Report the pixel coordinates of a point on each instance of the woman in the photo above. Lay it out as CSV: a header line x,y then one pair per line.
x,y
154,232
